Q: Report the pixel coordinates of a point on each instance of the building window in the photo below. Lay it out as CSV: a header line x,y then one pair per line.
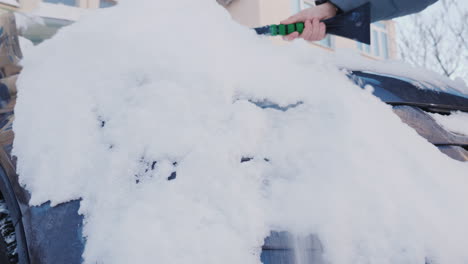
x,y
106,3
307,4
380,24
385,50
64,2
364,47
10,2
327,42
379,47
376,43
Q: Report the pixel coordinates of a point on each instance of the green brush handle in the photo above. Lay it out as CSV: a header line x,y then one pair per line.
x,y
283,30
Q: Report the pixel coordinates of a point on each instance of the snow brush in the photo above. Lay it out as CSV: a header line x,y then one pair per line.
x,y
354,24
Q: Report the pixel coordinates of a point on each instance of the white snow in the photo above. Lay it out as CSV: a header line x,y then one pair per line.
x,y
10,2
26,46
456,122
174,81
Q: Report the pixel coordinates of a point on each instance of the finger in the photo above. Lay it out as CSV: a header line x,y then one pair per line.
x,y
299,17
323,31
315,30
307,33
291,36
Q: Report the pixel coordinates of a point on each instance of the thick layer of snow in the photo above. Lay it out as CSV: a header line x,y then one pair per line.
x,y
176,82
26,46
456,122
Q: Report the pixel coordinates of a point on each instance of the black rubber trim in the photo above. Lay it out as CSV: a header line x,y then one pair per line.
x,y
451,145
432,107
22,244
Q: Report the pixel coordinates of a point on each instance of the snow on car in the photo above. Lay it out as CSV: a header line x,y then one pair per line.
x,y
140,143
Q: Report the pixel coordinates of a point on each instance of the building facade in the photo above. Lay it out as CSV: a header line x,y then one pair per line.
x,y
253,13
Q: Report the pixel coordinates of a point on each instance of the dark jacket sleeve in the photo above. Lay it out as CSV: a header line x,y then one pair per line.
x,y
386,9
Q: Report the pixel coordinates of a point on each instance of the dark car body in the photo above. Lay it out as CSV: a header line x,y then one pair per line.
x,y
28,234
413,105
54,235
44,234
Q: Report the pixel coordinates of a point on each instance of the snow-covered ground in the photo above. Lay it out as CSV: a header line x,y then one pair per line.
x,y
115,104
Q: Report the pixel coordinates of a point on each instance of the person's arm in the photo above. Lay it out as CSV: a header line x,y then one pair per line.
x,y
380,10
386,9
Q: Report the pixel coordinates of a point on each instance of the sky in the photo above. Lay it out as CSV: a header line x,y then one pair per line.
x,y
428,15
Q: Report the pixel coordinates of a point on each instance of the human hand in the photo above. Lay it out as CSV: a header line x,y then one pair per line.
x,y
314,30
